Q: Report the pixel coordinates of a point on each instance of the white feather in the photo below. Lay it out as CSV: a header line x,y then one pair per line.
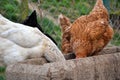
x,y
18,42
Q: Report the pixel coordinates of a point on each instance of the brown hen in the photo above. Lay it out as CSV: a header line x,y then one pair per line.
x,y
65,25
91,33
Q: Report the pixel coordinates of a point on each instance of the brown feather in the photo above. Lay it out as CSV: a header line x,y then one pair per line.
x,y
65,27
91,33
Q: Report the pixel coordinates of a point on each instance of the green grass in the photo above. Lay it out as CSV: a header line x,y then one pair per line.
x,y
116,39
115,7
34,0
74,8
2,73
67,7
52,29
10,9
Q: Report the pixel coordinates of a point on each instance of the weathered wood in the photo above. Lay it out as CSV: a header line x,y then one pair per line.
x,y
35,61
107,50
102,67
41,61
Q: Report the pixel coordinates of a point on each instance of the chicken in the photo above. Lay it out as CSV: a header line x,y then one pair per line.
x,y
19,42
91,33
31,20
65,25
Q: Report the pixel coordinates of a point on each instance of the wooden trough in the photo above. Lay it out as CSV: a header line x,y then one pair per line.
x,y
100,67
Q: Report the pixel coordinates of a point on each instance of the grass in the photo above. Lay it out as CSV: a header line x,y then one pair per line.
x,y
116,39
34,0
66,7
74,8
52,29
2,73
10,9
115,7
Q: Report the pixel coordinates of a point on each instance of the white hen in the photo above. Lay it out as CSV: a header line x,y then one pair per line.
x,y
19,42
